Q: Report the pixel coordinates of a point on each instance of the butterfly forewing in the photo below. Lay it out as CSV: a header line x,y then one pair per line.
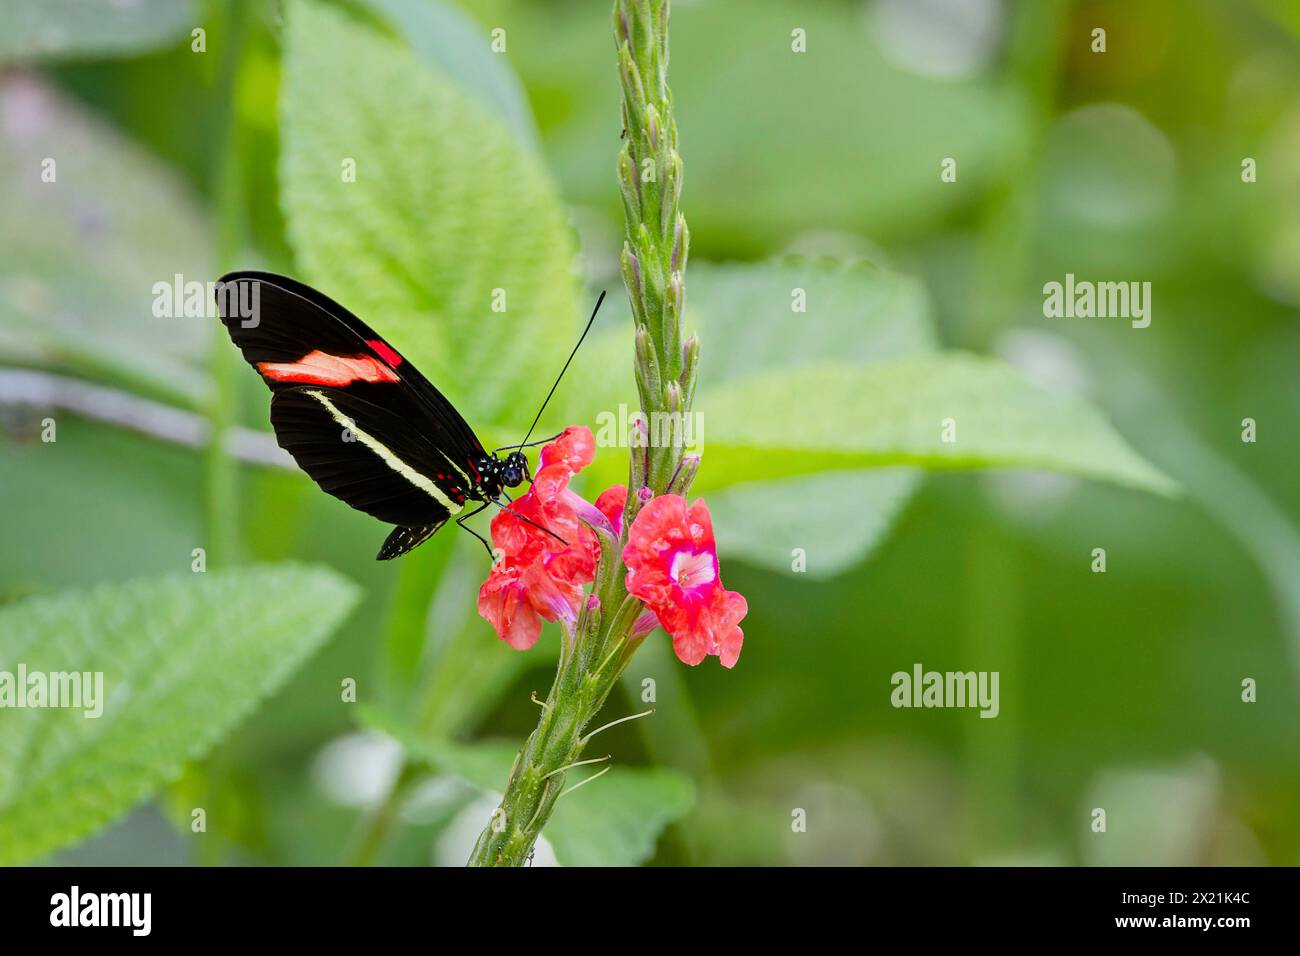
x,y
294,324
360,420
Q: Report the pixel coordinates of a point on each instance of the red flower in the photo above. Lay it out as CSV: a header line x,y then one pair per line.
x,y
672,565
611,503
538,577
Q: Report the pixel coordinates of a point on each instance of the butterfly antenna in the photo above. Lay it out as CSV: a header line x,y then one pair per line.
x,y
562,371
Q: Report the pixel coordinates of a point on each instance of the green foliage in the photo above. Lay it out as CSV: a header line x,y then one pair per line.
x,y
618,822
184,658
614,821
755,317
836,150
775,142
34,29
454,45
80,541
854,313
815,366
837,518
127,222
447,207
898,409
444,668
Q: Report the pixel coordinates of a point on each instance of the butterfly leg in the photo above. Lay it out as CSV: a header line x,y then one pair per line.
x,y
526,520
461,521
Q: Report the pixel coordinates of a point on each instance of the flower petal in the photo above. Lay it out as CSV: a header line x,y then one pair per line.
x,y
503,603
672,563
611,503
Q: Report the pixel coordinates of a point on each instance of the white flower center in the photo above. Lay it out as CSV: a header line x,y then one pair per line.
x,y
692,570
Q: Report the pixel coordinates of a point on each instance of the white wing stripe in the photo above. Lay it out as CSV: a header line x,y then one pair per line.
x,y
423,482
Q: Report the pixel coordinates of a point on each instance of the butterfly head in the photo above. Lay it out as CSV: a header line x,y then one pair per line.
x,y
514,470
496,474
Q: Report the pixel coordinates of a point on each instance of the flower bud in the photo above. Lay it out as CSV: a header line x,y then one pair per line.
x,y
647,366
681,245
652,127
629,186
676,294
670,190
687,469
646,622
634,279
690,370
640,455
633,88
622,28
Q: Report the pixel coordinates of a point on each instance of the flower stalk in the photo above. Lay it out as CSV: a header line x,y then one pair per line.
x,y
657,241
612,623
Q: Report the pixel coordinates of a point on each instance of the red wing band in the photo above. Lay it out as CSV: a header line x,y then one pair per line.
x,y
321,368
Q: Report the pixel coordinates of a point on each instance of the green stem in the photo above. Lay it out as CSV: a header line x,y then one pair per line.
x,y
374,834
588,670
222,472
992,753
657,242
654,261
1005,244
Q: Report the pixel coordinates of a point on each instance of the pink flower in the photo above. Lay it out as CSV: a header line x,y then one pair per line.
x,y
672,565
515,599
538,577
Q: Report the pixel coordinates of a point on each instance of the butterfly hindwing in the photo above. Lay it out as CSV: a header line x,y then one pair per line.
x,y
366,456
403,540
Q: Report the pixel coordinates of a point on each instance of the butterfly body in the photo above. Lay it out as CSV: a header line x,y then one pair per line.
x,y
358,418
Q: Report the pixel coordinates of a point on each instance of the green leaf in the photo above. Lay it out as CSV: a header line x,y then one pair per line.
x,y
618,822
183,657
835,519
761,316
125,220
795,311
457,46
30,29
447,208
139,476
832,415
613,822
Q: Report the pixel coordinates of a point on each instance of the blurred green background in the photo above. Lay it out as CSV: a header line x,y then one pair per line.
x,y
817,170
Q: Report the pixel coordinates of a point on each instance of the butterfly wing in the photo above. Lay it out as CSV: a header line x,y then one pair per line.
x,y
335,436
403,540
294,335
362,422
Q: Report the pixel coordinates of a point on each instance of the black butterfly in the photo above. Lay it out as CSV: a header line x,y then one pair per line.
x,y
359,419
